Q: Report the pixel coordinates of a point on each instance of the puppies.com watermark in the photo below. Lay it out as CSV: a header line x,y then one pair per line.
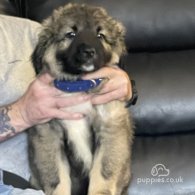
x,y
160,174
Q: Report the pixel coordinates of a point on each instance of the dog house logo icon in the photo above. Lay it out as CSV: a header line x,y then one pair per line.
x,y
160,170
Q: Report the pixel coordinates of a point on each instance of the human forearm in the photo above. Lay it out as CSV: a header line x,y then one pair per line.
x,y
11,122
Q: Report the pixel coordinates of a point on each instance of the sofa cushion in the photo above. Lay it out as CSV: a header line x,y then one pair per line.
x,y
166,87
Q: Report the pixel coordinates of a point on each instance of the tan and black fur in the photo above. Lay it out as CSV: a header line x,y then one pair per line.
x,y
91,155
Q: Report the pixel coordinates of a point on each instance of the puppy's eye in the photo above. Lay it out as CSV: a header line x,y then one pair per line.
x,y
70,35
100,36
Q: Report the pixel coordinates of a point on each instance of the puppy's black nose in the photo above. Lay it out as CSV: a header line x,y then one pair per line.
x,y
89,52
86,51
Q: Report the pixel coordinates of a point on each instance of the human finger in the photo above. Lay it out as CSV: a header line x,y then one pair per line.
x,y
66,115
107,97
45,78
71,100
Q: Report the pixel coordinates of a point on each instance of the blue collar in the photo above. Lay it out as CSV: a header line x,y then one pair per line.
x,y
77,86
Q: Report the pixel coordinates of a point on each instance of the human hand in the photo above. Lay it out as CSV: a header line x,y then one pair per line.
x,y
43,102
118,86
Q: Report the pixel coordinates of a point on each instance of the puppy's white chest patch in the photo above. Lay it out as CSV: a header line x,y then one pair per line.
x,y
79,132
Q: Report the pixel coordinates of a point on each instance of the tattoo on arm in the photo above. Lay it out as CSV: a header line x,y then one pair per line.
x,y
6,129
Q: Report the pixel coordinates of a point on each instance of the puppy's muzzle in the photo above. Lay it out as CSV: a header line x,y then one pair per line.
x,y
86,53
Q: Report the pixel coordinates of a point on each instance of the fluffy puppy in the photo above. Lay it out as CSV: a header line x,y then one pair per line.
x,y
91,155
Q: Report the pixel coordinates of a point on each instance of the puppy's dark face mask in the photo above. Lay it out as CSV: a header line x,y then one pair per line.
x,y
85,53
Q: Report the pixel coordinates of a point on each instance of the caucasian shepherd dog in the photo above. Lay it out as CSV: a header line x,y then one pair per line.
x,y
91,155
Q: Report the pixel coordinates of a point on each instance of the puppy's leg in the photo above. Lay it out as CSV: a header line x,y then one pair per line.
x,y
64,186
48,162
110,173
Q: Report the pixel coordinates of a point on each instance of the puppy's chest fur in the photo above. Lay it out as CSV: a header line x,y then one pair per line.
x,y
79,133
82,135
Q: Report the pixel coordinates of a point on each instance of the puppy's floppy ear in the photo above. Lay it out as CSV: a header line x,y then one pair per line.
x,y
37,56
